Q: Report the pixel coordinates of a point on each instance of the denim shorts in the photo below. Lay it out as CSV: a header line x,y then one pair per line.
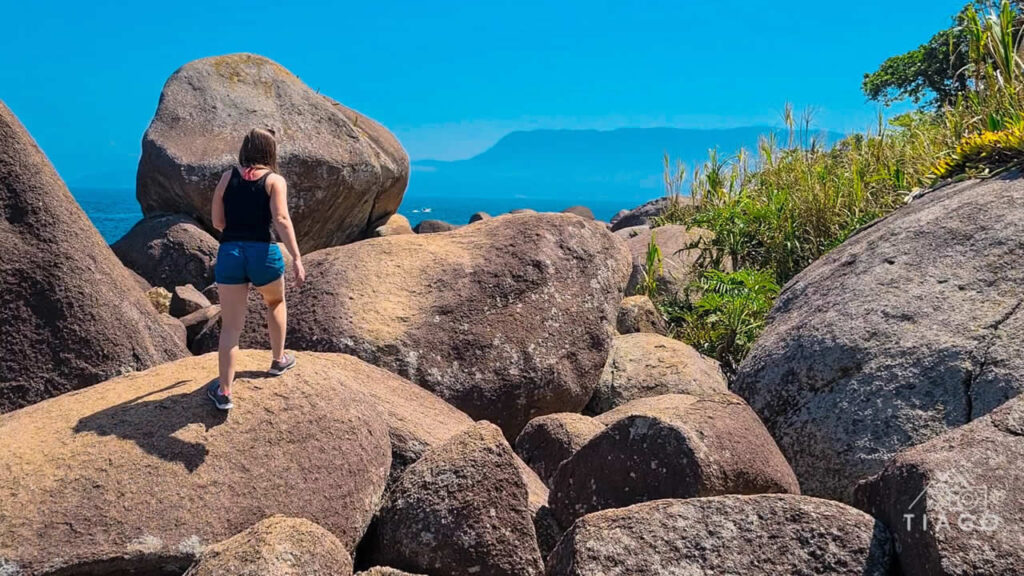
x,y
259,263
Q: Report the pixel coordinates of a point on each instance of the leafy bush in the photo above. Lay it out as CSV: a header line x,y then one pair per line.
x,y
724,313
773,214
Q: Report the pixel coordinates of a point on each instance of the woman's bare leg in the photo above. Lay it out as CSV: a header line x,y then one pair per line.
x,y
233,305
277,315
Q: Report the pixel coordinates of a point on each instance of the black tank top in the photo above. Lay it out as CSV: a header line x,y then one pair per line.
x,y
246,210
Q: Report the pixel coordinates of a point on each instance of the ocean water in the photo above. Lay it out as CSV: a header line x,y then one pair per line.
x,y
114,211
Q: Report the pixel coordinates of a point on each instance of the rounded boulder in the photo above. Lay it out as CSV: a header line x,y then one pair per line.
x,y
346,173
954,503
643,365
549,440
913,326
508,319
462,509
277,546
169,250
156,472
673,446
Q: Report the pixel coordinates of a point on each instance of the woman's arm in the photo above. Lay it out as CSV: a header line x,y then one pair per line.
x,y
217,208
283,223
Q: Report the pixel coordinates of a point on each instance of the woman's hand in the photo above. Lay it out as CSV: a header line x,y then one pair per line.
x,y
300,273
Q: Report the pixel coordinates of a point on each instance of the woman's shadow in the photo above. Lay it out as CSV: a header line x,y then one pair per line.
x,y
151,424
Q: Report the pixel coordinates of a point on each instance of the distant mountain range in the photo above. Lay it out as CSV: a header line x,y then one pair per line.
x,y
540,169
624,165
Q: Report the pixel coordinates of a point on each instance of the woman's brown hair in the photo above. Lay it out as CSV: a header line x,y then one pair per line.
x,y
259,148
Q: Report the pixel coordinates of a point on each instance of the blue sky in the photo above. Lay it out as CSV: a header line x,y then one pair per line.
x,y
451,77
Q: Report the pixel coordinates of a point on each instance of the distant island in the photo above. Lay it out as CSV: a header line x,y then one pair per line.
x,y
545,170
622,166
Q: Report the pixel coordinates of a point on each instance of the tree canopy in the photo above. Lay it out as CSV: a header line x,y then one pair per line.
x,y
931,74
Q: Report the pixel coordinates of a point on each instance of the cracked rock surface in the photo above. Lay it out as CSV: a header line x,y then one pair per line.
x,y
911,327
954,504
762,535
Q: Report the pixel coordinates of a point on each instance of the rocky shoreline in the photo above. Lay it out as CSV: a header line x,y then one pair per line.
x,y
491,398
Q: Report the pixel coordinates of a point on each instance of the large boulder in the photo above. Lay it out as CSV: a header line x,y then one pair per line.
x,y
908,329
642,365
679,257
673,446
462,509
763,535
73,315
346,173
549,440
169,250
954,503
139,472
277,546
507,319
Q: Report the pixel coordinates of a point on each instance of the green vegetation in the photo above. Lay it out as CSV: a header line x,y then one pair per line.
x,y
776,212
933,73
723,314
652,269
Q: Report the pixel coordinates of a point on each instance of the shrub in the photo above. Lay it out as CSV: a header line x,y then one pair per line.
x,y
773,214
723,314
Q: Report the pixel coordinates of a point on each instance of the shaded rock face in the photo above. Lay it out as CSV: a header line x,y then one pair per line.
x,y
185,300
277,546
73,315
673,446
212,294
638,314
764,535
202,329
641,215
169,250
678,258
155,472
911,327
967,484
581,211
645,365
508,319
433,227
461,509
632,231
547,441
416,420
385,571
346,174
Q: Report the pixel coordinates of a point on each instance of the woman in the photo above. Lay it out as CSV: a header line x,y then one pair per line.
x,y
248,201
